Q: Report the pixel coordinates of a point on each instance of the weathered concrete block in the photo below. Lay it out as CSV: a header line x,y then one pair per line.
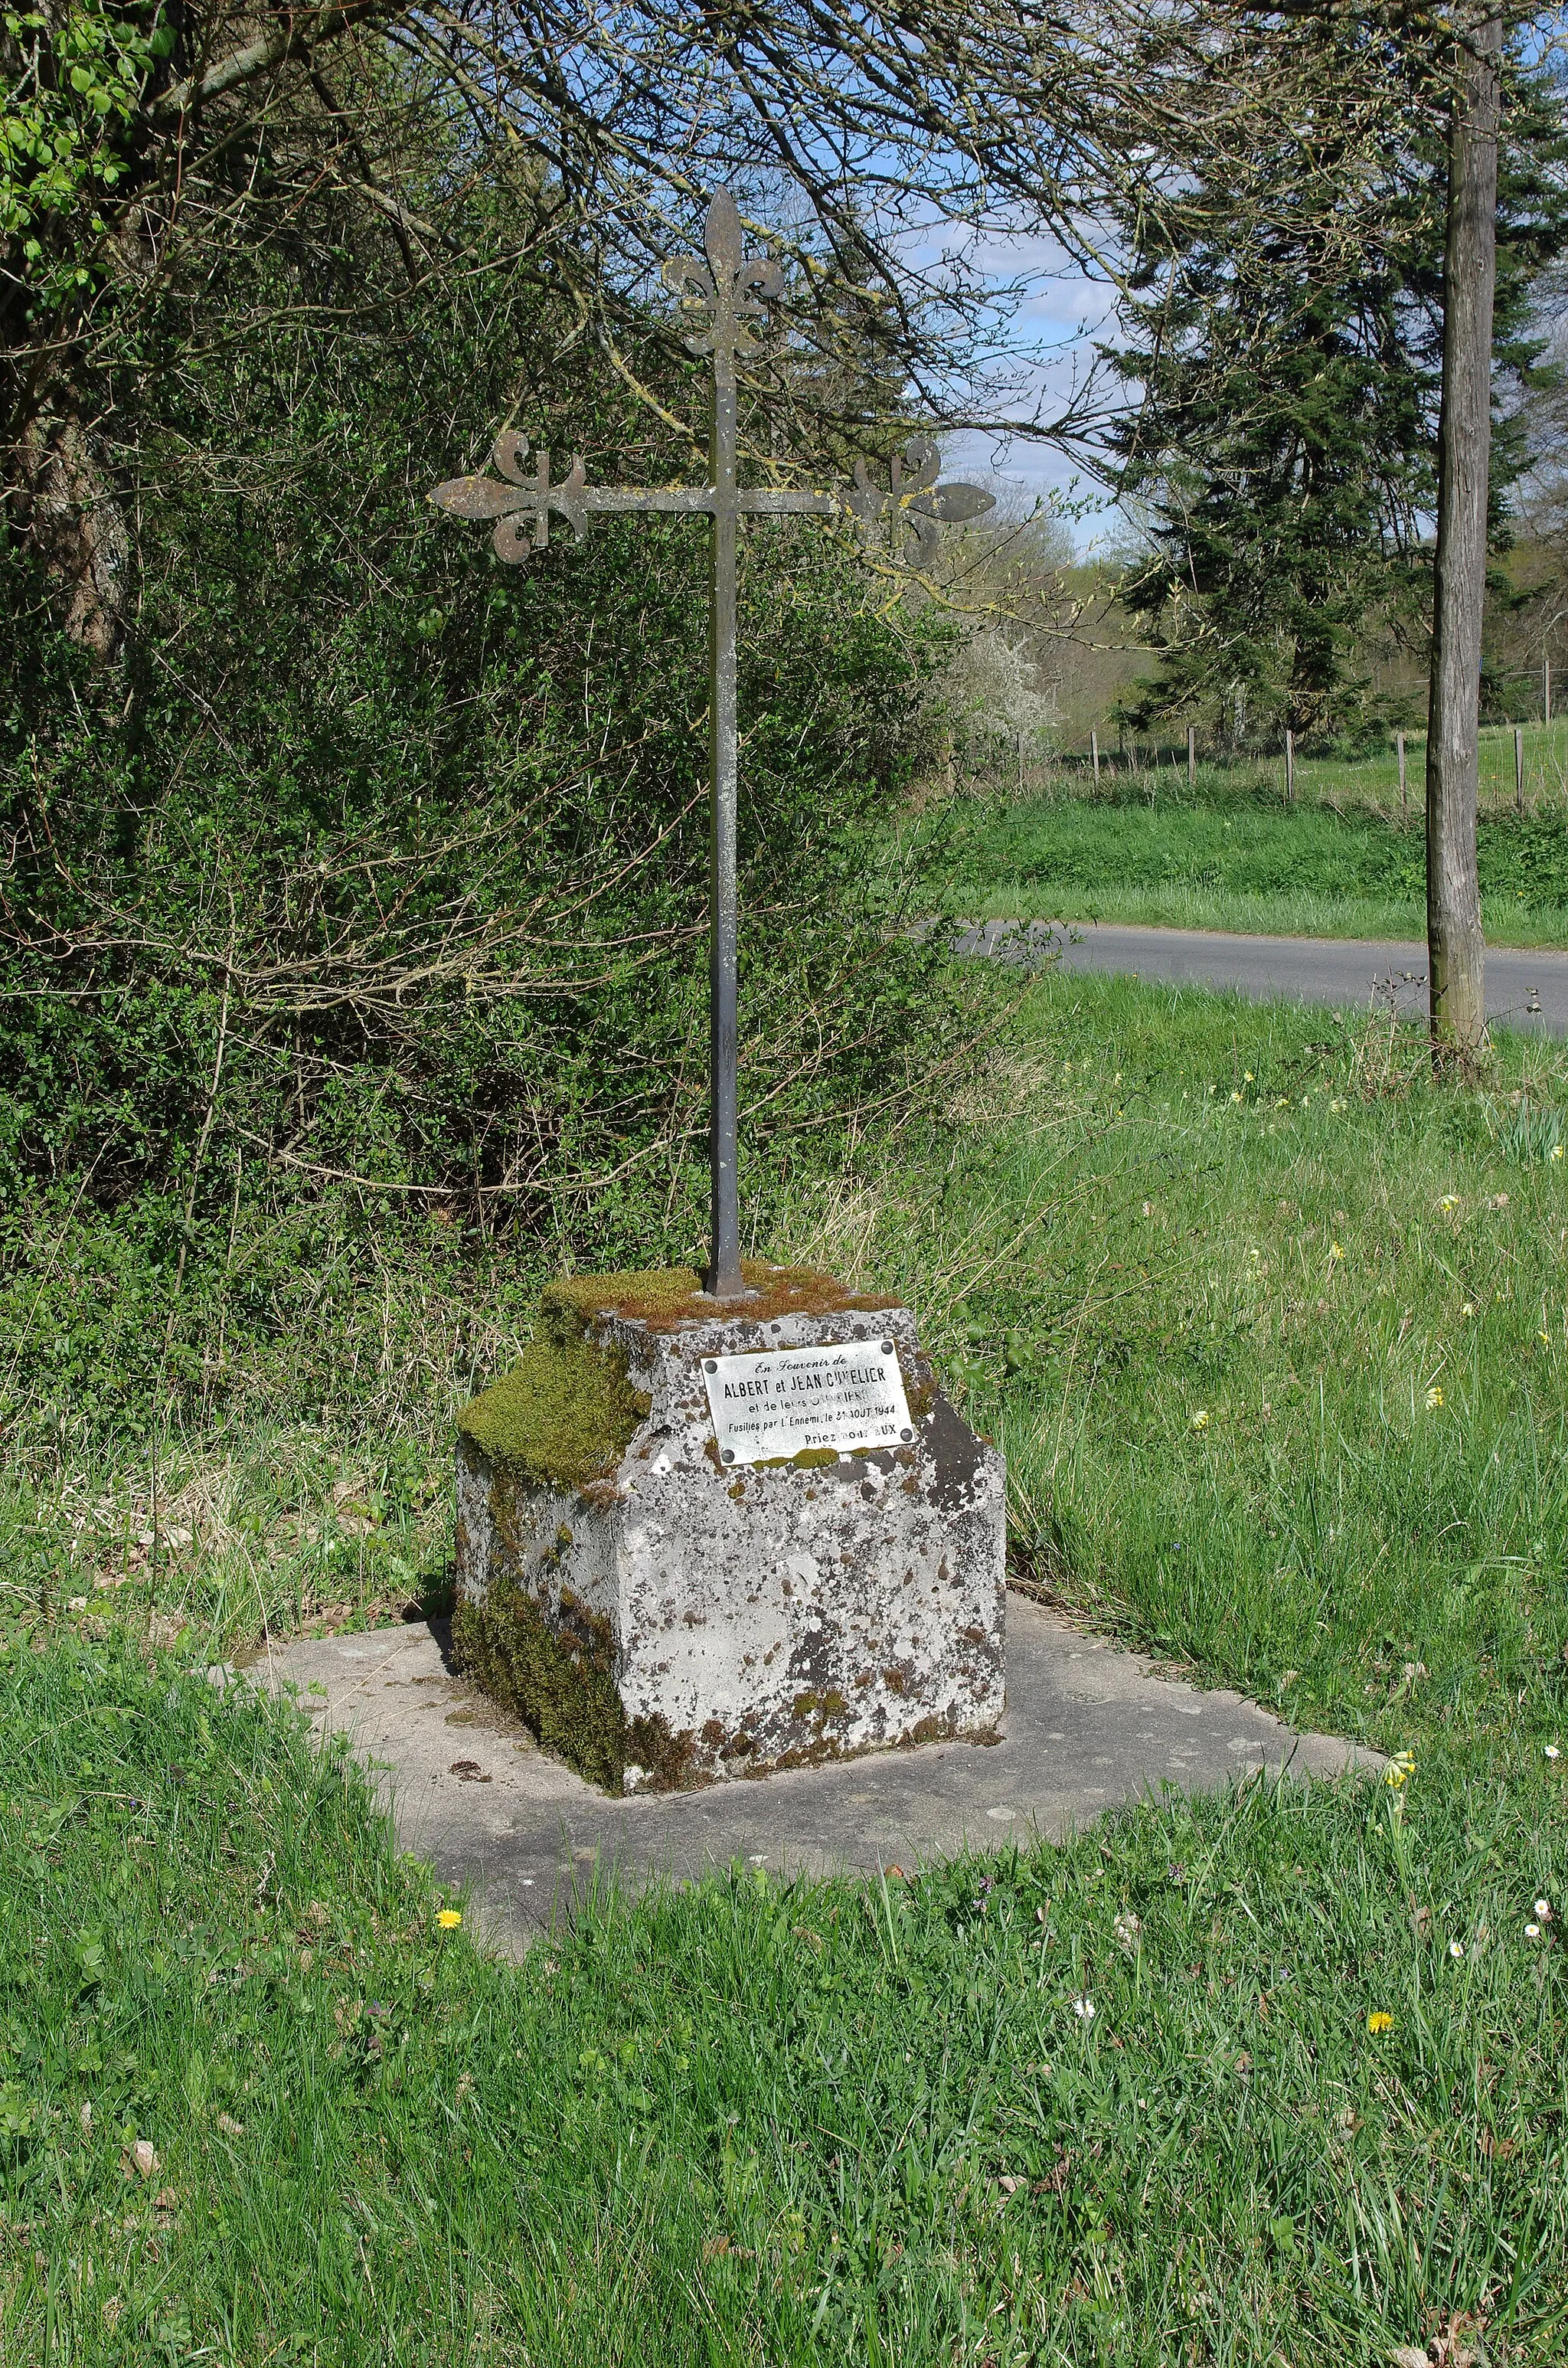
x,y
664,1620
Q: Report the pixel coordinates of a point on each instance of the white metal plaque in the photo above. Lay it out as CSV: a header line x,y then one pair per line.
x,y
790,1400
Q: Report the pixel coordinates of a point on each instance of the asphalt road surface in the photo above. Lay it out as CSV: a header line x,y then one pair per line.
x,y
1523,990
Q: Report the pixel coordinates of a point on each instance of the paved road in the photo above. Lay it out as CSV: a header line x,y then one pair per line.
x,y
1085,1726
1523,990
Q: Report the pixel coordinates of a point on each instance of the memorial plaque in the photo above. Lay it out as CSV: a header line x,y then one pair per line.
x,y
790,1401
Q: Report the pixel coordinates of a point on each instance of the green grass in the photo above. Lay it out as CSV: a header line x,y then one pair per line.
x,y
1372,780
835,2122
1253,1215
1340,862
754,2124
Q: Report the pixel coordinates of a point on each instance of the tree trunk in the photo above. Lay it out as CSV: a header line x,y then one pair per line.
x,y
1456,951
62,500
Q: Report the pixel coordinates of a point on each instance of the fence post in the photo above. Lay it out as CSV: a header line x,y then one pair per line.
x,y
1289,767
1095,753
1519,768
1192,756
1546,666
1404,797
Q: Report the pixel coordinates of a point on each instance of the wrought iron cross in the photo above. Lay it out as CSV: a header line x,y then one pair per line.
x,y
726,295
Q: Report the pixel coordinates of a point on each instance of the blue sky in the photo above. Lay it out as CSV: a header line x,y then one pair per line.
x,y
1046,335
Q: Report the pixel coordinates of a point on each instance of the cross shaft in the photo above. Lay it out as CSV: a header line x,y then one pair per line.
x,y
730,289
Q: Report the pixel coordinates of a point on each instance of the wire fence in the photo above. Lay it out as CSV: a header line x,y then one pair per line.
x,y
1523,767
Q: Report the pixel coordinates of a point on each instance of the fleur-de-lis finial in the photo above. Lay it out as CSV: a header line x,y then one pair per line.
x,y
521,505
730,288
914,503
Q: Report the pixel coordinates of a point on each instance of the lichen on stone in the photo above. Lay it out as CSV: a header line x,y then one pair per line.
x,y
562,1417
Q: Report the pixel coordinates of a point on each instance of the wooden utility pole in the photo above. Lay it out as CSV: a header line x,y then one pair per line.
x,y
1456,949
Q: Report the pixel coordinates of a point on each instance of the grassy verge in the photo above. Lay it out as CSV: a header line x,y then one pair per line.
x,y
1233,854
1122,2102
1277,1342
836,2125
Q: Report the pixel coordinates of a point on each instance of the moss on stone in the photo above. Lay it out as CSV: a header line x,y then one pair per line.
x,y
663,1297
559,1680
919,1386
564,1416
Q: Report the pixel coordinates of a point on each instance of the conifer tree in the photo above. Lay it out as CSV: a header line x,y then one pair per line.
x,y
1284,452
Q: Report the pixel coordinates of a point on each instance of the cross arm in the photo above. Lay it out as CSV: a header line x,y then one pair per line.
x,y
521,503
783,501
750,501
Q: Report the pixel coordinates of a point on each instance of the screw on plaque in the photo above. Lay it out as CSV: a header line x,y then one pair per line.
x,y
887,1347
710,1365
729,1454
906,1434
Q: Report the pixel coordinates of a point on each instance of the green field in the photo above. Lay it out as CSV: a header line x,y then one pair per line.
x,y
1341,861
1275,1334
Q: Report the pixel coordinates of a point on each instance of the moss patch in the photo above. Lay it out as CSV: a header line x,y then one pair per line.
x,y
562,1417
667,1296
559,1681
919,1385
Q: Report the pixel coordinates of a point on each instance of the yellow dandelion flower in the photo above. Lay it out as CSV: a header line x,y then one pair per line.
x,y
1434,1396
449,1919
1201,1419
1375,2022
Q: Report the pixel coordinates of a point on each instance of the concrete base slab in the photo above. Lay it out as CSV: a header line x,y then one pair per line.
x,y
1086,1726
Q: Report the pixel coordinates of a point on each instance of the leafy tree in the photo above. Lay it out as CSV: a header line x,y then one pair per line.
x,y
146,140
381,876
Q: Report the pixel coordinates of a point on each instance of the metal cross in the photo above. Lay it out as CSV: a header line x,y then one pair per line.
x,y
726,294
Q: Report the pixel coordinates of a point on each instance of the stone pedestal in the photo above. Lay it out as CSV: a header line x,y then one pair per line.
x,y
662,1619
